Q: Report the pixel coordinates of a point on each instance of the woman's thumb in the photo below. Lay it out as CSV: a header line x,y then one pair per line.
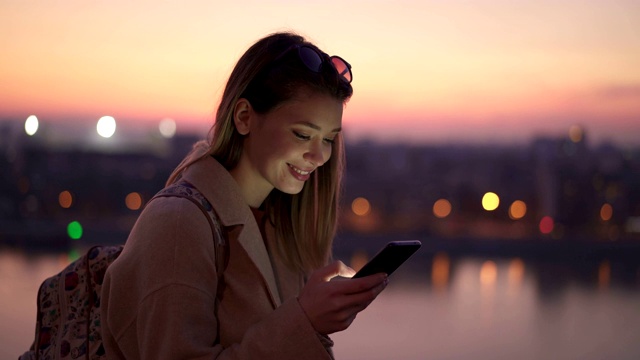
x,y
336,268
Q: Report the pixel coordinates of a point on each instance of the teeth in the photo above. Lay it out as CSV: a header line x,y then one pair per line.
x,y
299,171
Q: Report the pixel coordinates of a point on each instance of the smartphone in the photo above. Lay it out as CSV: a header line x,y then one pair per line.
x,y
389,258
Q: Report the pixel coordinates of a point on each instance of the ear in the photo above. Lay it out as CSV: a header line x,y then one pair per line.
x,y
242,115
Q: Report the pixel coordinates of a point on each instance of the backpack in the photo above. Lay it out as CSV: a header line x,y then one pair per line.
x,y
68,316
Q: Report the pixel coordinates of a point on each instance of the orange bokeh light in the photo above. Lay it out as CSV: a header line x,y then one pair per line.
x,y
440,271
606,212
517,210
65,199
442,208
360,206
488,273
516,271
133,201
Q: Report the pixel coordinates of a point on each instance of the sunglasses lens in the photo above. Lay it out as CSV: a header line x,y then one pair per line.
x,y
311,58
342,67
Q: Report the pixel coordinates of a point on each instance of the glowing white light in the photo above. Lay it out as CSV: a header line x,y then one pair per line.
x,y
167,128
31,125
106,126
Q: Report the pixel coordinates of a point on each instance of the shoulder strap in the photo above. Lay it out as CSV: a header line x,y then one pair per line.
x,y
186,190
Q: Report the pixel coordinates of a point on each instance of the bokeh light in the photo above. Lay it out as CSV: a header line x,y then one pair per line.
x,y
74,230
546,225
440,271
606,212
490,201
488,273
73,255
133,201
576,133
361,206
604,274
106,126
65,199
31,125
516,271
167,128
517,210
442,208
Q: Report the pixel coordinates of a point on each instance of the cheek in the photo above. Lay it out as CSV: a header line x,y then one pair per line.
x,y
279,149
327,152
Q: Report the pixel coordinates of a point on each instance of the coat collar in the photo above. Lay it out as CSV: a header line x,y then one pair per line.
x,y
222,191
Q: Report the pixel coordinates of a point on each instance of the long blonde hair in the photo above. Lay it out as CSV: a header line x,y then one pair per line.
x,y
304,223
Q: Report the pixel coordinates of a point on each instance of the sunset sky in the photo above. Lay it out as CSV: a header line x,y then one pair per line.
x,y
424,71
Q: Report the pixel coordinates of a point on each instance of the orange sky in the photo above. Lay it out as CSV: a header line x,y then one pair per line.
x,y
435,71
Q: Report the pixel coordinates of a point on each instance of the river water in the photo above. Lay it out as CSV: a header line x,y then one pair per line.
x,y
463,308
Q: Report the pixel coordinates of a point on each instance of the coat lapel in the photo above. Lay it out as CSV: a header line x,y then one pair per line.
x,y
259,256
219,187
290,282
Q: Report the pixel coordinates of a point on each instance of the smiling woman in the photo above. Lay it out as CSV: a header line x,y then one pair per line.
x,y
280,151
271,172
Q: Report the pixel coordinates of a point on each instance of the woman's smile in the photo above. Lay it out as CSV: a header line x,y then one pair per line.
x,y
300,174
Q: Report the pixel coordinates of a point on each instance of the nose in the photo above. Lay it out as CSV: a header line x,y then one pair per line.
x,y
318,153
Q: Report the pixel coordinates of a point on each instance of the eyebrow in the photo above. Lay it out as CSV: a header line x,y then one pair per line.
x,y
316,127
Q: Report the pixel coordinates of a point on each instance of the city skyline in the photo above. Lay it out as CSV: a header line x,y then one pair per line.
x,y
424,72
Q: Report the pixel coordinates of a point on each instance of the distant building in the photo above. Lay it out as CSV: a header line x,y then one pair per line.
x,y
573,190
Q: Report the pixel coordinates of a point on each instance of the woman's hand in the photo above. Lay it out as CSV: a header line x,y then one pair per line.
x,y
331,306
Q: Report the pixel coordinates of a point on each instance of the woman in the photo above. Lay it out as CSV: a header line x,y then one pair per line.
x,y
271,169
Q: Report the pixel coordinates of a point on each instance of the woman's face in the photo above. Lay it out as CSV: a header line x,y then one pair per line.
x,y
284,146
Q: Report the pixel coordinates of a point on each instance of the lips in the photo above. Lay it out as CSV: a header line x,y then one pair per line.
x,y
302,175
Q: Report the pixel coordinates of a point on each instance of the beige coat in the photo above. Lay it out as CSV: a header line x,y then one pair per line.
x,y
158,297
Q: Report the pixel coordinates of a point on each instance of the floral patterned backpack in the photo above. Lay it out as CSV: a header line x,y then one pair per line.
x,y
68,317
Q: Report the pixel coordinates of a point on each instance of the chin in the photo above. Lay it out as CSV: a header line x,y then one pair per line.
x,y
291,190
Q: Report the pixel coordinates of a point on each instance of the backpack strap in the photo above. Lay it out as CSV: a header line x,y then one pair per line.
x,y
186,190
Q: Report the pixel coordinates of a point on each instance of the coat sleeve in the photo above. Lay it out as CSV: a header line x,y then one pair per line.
x,y
169,266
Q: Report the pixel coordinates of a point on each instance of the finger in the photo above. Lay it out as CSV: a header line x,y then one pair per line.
x,y
347,271
354,286
366,283
357,291
364,298
358,302
336,268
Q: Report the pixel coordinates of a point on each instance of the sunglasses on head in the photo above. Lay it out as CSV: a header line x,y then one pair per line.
x,y
313,60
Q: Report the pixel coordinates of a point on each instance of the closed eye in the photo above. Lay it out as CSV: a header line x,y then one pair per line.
x,y
330,141
301,136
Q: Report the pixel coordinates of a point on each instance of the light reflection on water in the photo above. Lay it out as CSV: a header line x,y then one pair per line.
x,y
451,309
498,309
20,277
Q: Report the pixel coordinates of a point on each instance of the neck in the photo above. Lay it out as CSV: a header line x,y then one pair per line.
x,y
253,193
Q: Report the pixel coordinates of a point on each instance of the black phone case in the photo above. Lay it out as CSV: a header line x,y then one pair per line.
x,y
389,258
